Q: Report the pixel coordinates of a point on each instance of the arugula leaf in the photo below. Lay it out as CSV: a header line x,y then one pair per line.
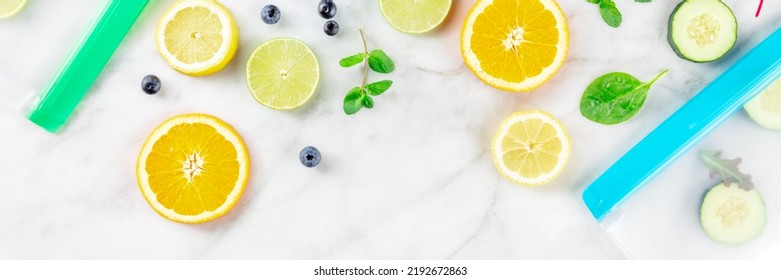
x,y
614,97
378,88
353,101
727,169
380,62
610,14
352,60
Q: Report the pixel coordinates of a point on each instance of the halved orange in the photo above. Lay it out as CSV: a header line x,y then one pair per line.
x,y
193,168
515,45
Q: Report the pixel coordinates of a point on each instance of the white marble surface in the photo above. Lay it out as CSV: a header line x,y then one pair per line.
x,y
410,179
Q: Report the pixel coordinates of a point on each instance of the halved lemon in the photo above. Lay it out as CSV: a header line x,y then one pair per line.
x,y
197,37
515,45
531,148
193,168
9,8
418,16
282,73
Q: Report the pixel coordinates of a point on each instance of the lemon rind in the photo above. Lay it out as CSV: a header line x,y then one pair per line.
x,y
226,51
18,9
513,176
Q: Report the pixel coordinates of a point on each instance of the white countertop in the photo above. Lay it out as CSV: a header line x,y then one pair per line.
x,y
412,178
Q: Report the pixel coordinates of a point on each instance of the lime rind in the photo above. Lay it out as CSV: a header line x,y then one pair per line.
x,y
415,17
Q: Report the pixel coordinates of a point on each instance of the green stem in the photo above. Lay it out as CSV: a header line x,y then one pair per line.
x,y
366,61
658,76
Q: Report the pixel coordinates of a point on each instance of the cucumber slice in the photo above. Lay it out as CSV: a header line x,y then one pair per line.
x,y
765,109
702,30
732,215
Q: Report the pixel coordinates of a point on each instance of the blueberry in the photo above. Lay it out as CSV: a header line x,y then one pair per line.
x,y
151,84
309,156
327,9
331,28
270,14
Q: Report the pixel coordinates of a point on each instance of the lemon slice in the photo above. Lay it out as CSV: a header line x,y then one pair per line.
x,y
9,8
418,16
515,45
197,37
531,148
193,168
282,73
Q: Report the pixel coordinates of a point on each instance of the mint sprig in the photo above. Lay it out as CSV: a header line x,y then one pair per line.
x,y
361,96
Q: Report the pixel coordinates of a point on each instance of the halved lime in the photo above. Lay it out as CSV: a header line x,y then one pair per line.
x,y
282,73
9,8
415,16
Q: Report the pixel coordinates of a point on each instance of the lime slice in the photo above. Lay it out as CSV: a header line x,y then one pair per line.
x,y
418,16
282,73
8,8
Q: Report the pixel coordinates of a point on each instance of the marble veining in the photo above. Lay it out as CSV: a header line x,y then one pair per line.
x,y
412,178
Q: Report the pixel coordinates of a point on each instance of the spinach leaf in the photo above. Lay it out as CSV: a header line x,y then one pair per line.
x,y
614,97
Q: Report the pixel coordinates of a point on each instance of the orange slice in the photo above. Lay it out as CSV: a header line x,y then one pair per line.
x,y
515,45
193,168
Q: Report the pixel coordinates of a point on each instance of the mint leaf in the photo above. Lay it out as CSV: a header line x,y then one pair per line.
x,y
610,14
353,101
727,169
378,88
380,62
352,60
361,96
614,97
367,102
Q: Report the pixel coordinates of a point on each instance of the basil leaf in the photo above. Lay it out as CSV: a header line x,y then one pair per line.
x,y
352,60
378,88
352,101
610,14
367,102
593,1
380,62
614,97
